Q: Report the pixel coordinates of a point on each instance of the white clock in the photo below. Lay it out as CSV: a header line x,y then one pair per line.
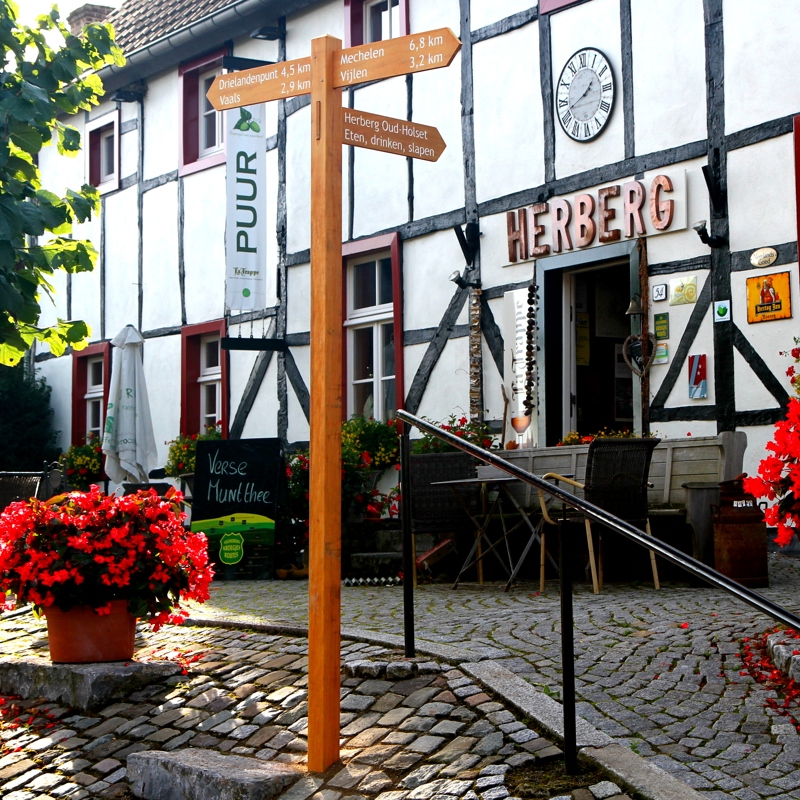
x,y
585,95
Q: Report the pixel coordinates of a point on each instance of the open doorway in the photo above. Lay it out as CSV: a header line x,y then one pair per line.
x,y
589,387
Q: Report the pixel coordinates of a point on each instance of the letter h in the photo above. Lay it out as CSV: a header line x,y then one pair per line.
x,y
517,234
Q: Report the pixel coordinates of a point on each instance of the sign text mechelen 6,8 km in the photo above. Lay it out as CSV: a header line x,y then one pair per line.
x,y
369,62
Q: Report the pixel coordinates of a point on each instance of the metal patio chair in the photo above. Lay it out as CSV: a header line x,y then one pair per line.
x,y
616,481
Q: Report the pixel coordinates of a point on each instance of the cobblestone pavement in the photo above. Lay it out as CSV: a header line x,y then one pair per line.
x,y
411,730
657,670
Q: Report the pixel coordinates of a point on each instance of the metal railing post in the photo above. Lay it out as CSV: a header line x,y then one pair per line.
x,y
567,648
408,541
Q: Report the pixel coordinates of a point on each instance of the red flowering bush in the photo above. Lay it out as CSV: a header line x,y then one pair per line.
x,y
88,548
477,433
779,473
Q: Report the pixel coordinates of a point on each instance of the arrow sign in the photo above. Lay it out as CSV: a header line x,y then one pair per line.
x,y
390,135
386,59
259,85
367,62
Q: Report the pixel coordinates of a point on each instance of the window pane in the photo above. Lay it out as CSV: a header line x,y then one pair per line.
x,y
387,350
207,83
210,401
364,405
362,354
108,156
377,20
388,399
96,373
94,415
385,268
364,293
211,354
209,131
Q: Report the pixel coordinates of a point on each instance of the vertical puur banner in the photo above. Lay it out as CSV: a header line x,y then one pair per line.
x,y
245,223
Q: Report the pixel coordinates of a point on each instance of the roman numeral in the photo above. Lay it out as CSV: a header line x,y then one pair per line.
x,y
574,69
564,84
606,87
566,119
575,129
593,60
605,106
561,102
600,74
582,58
586,132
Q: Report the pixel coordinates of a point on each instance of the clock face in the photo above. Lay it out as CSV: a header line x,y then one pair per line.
x,y
585,95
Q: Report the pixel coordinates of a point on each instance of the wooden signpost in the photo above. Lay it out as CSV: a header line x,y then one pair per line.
x,y
322,75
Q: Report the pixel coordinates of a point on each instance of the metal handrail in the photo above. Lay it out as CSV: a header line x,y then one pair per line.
x,y
675,556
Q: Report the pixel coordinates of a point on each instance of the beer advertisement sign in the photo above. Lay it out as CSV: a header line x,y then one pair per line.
x,y
769,297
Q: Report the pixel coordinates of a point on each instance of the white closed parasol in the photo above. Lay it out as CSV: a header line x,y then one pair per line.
x,y
128,441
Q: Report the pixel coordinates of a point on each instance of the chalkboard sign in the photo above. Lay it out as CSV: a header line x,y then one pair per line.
x,y
236,486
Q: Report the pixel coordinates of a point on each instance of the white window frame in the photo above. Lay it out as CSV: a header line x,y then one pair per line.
x,y
94,395
373,317
203,112
210,375
394,29
109,178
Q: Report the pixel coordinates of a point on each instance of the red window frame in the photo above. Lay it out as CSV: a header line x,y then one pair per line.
x,y
191,337
188,90
93,133
796,142
354,21
363,247
80,361
546,6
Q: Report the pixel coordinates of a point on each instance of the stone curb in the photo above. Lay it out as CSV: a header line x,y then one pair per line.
x,y
781,655
632,770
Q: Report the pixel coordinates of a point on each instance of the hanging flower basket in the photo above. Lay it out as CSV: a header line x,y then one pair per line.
x,y
101,559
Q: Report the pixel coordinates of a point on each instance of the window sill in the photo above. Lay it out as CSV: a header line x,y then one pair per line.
x,y
206,162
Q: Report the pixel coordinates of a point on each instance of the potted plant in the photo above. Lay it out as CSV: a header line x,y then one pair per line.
x,y
84,462
93,563
182,453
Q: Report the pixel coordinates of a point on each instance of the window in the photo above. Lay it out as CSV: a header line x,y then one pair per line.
x,y
373,323
374,20
91,370
103,152
201,126
204,386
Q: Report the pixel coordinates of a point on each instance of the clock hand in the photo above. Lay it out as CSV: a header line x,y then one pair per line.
x,y
586,91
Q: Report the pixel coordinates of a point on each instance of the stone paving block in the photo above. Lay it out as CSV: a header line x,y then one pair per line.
x,y
375,782
452,750
204,775
81,686
425,744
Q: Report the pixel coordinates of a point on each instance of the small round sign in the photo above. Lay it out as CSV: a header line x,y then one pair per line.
x,y
763,257
246,292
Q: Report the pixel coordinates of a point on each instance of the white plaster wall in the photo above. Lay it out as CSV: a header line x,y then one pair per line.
x,y
86,285
678,245
162,374
62,172
161,305
54,304
703,343
298,425
58,374
321,19
261,50
263,418
679,430
298,302
427,264
204,244
426,16
240,363
128,111
509,137
439,185
122,261
594,24
381,179
760,47
485,12
768,338
448,387
757,438
761,194
128,153
496,269
669,90
161,125
298,181
106,106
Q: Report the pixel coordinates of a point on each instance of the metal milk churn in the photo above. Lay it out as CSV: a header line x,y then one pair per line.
x,y
740,536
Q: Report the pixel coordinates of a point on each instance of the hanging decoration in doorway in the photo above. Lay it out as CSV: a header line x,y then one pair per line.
x,y
531,367
632,353
698,388
475,356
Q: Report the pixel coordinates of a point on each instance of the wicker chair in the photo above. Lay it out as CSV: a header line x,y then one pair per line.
x,y
437,509
616,481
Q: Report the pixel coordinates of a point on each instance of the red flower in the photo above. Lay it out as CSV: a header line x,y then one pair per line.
x,y
684,625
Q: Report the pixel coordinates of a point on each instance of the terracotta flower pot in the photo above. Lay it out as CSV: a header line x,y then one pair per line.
x,y
81,636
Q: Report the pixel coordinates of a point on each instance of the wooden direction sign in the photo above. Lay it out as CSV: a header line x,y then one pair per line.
x,y
367,62
390,135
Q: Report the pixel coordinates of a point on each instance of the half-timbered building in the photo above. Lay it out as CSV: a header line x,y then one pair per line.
x,y
603,157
